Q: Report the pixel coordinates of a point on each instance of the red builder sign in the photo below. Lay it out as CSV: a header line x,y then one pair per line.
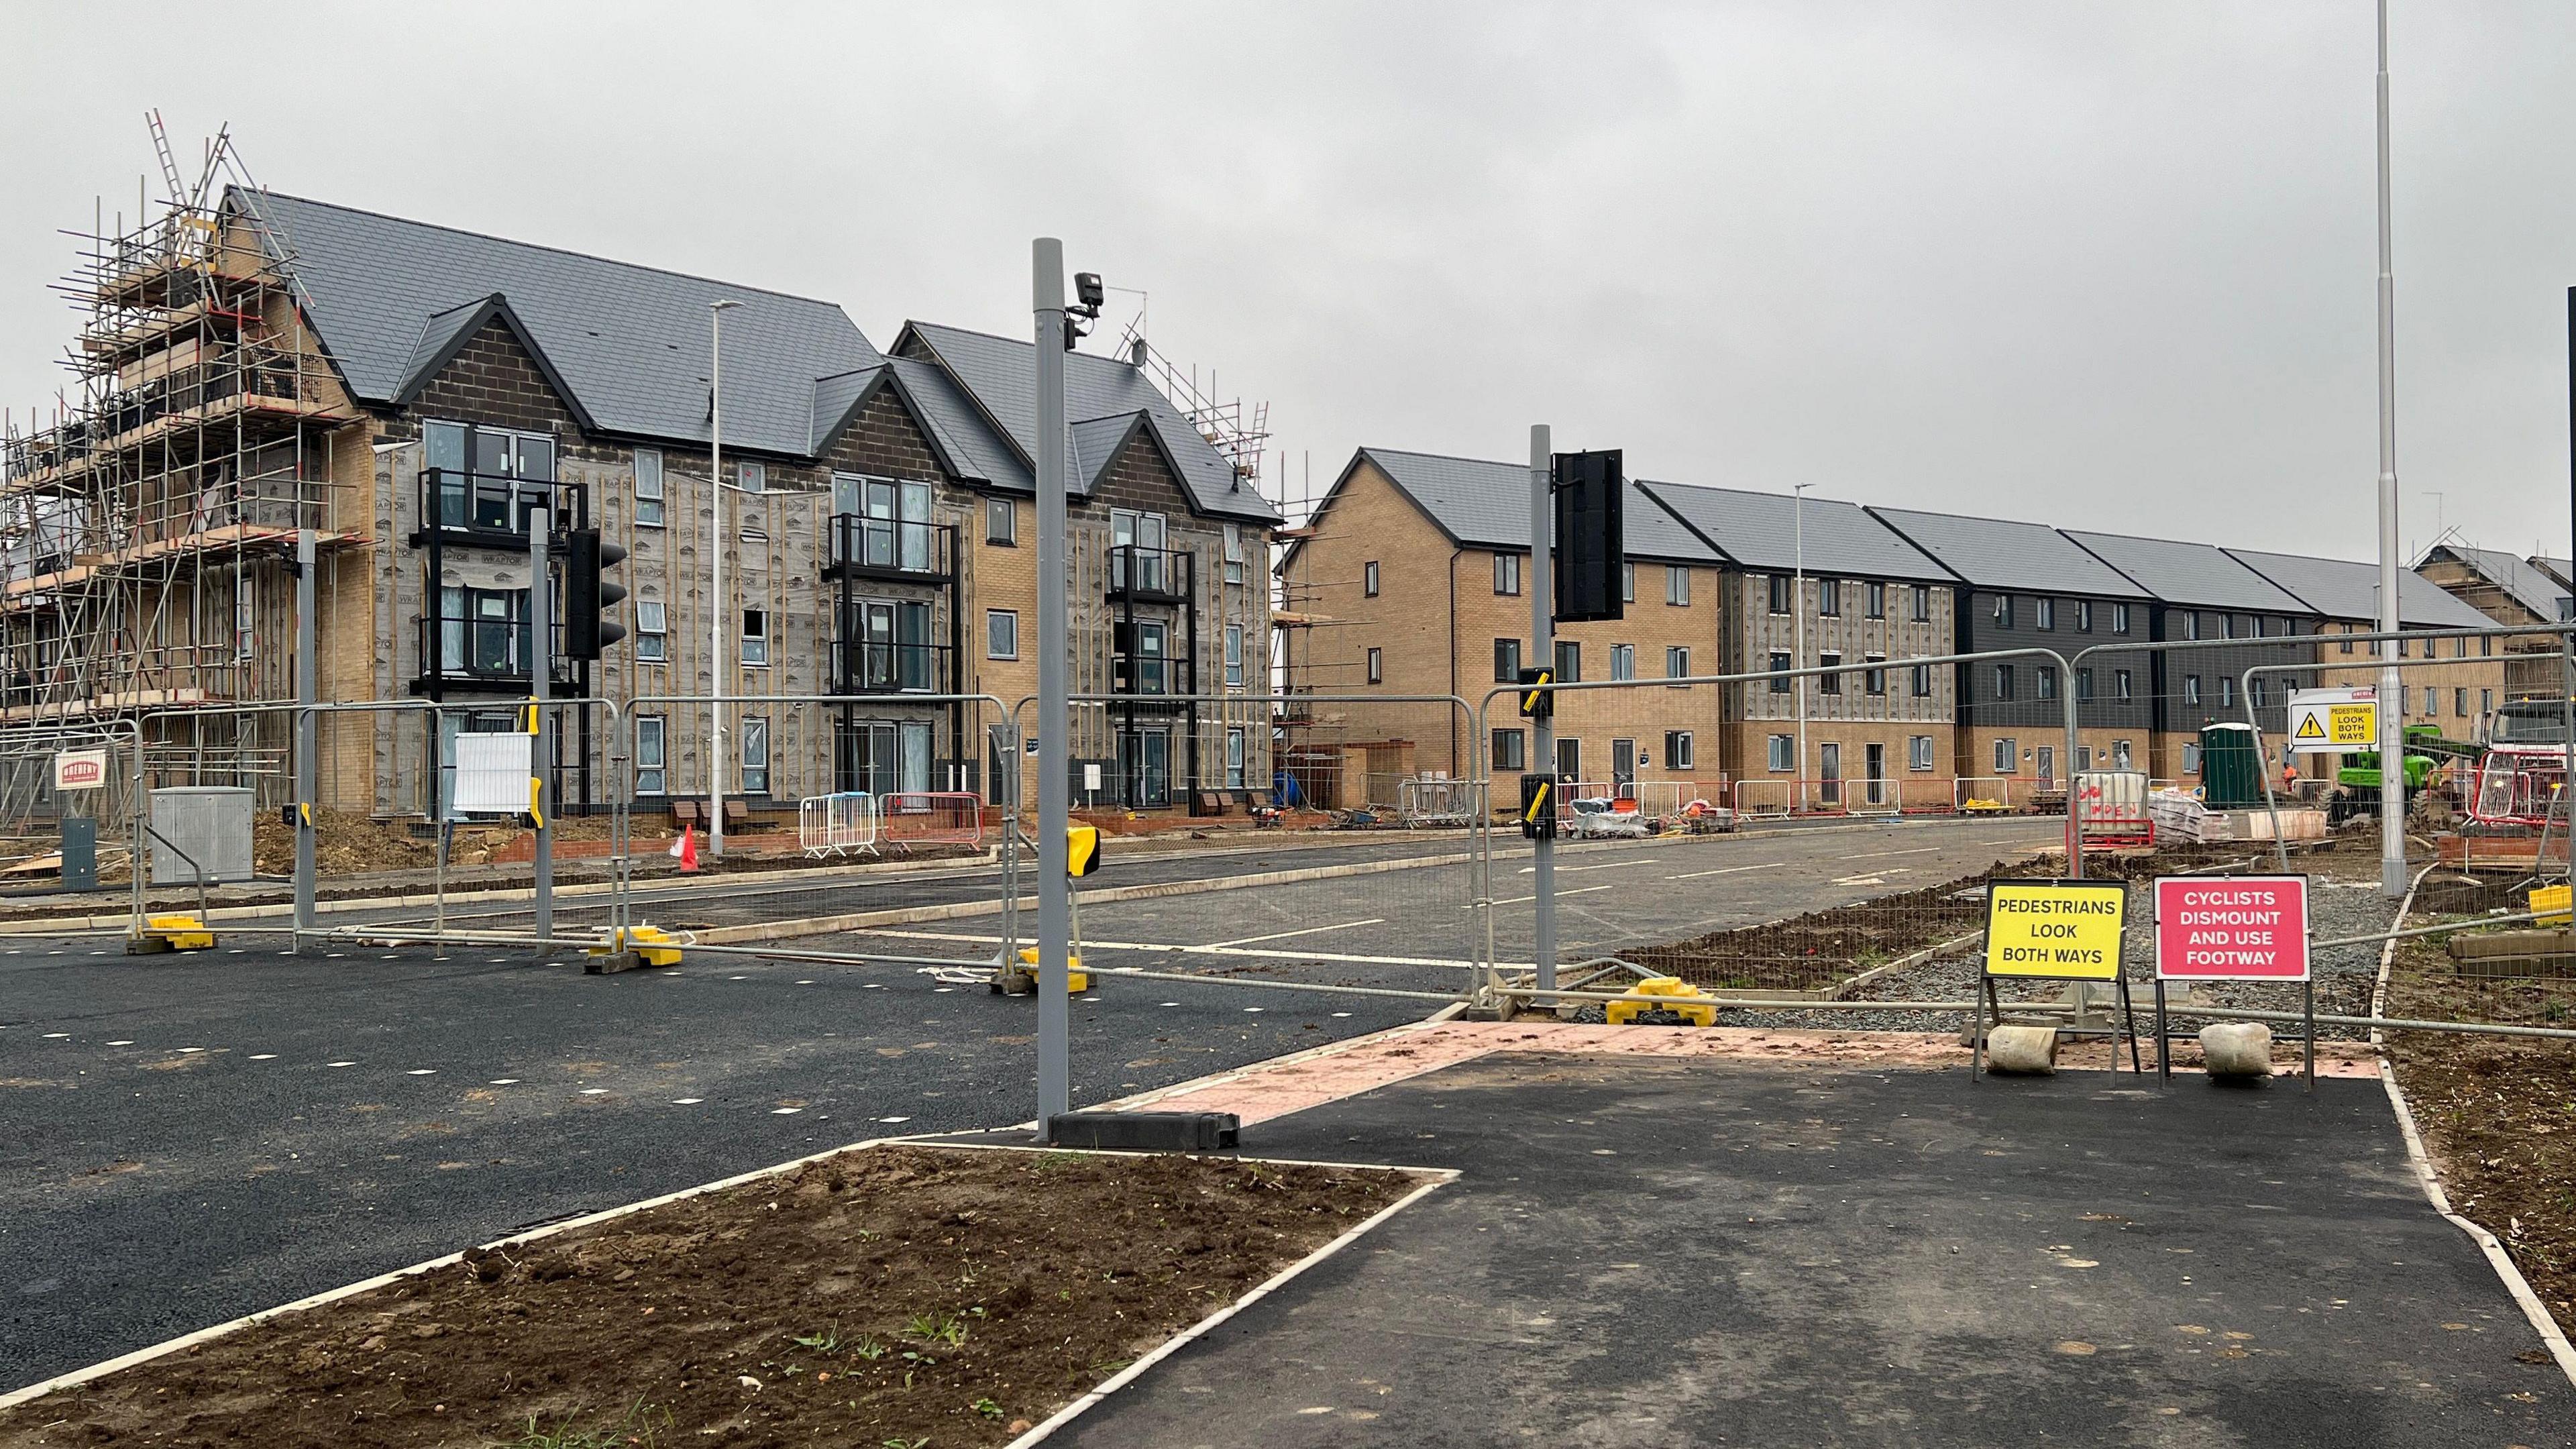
x,y
2232,928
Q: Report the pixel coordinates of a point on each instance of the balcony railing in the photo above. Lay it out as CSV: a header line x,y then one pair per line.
x,y
456,650
888,548
479,508
1161,575
874,667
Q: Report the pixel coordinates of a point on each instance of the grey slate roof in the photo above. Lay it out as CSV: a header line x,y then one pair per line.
x,y
630,342
999,374
972,444
1487,505
2342,589
2563,570
2195,575
1760,531
2528,586
2001,554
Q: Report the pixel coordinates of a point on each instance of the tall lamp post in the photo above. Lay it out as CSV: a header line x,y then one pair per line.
x,y
2392,759
716,551
1798,629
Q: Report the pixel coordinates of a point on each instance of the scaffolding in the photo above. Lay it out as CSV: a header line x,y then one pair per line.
x,y
148,528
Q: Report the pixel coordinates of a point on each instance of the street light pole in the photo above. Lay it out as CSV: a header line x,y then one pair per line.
x,y
1798,630
1054,718
2392,759
1542,585
716,609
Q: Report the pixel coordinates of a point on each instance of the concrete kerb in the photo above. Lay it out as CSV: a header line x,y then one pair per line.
x,y
2497,1257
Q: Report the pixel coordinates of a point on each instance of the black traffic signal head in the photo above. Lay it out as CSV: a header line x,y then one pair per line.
x,y
587,595
1538,807
1591,544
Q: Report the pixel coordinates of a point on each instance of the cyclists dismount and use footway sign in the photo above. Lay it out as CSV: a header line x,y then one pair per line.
x,y
2233,928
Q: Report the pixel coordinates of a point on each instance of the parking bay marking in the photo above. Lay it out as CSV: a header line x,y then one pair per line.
x,y
1308,931
1729,870
1169,948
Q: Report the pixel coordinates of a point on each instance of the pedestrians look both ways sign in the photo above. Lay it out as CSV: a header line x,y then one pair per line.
x,y
2233,928
2052,930
2331,721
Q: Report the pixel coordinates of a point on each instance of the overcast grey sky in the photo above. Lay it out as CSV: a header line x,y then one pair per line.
x,y
2102,265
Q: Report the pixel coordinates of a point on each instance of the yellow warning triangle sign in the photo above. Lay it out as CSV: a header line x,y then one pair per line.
x,y
2309,729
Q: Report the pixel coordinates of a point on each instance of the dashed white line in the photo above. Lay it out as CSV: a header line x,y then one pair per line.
x,y
1883,854
503,1082
1341,1013
1252,1008
1560,895
422,1072
1308,931
686,1101
1567,869
1728,870
1171,1003
190,1051
594,1091
892,1120
56,1035
339,1064
120,1043
264,1056
785,1111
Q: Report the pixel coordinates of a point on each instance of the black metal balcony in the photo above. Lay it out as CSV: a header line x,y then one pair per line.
x,y
492,655
1150,575
877,667
484,510
891,549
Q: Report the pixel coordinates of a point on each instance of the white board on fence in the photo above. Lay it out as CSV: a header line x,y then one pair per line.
x,y
80,769
492,773
2333,721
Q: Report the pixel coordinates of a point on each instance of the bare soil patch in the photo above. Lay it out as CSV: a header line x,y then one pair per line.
x,y
2498,1114
921,1295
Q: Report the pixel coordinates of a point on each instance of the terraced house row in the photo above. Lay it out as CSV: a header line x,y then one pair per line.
x,y
421,390
1412,570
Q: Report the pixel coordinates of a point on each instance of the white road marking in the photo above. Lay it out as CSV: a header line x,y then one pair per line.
x,y
892,1120
1564,869
1560,895
785,1111
1171,1003
1882,854
190,1051
1252,1008
120,1043
1308,931
594,1091
873,986
1341,1013
1260,952
1728,870
503,1082
805,983
339,1064
942,990
737,978
264,1056
56,1035
422,1072
686,1101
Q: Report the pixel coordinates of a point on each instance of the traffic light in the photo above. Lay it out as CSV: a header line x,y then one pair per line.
x,y
1538,807
587,596
1538,703
1590,542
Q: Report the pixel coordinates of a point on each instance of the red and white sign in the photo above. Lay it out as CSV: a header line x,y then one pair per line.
x,y
2232,928
80,769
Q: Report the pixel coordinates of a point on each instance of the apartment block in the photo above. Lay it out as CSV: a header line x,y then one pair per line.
x,y
2510,591
2456,695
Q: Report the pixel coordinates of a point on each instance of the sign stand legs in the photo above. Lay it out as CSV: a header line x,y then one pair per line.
x,y
2311,1043
2128,1020
2164,1042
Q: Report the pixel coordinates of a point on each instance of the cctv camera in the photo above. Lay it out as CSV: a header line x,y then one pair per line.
x,y
1086,287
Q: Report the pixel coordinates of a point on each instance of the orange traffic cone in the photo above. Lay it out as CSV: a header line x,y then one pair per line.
x,y
687,849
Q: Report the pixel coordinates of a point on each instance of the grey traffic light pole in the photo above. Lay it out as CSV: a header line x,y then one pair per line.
x,y
1055,889
1543,722
2392,738
541,608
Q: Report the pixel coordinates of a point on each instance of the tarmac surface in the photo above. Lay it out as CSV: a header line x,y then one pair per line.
x,y
1653,1253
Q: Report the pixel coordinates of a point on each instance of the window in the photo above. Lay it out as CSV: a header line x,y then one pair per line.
x,y
1877,601
1001,633
2191,758
2003,681
1569,661
2003,611
2191,689
1874,681
1779,674
2007,756
1507,573
2191,624
2486,646
2119,618
1922,603
2402,651
648,487
1368,579
1677,750
2226,692
2043,613
650,776
755,755
1234,553
1234,744
1627,583
1676,662
2486,703
751,477
1569,759
2405,700
2083,616
1623,661
1780,593
476,468
1918,752
2460,649
2240,627
1146,664
2083,686
2346,646
1922,682
1377,666
1507,661
1784,752
2120,756
1829,598
652,632
2045,678
1234,656
2120,683
1001,522
1677,586
755,636
1829,683
2460,700
1511,749
2254,691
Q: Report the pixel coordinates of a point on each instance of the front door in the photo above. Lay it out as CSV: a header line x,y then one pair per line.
x,y
1829,774
1145,758
1874,764
2047,766
1623,768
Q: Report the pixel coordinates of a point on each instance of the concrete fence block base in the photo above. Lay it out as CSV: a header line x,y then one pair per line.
x,y
2237,1049
2019,1049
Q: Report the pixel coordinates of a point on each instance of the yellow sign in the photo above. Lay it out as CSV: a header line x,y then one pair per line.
x,y
2065,930
2353,724
1081,849
2333,721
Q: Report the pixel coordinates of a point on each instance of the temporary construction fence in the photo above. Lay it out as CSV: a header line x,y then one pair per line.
x,y
1440,800
2113,807
839,824
932,817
